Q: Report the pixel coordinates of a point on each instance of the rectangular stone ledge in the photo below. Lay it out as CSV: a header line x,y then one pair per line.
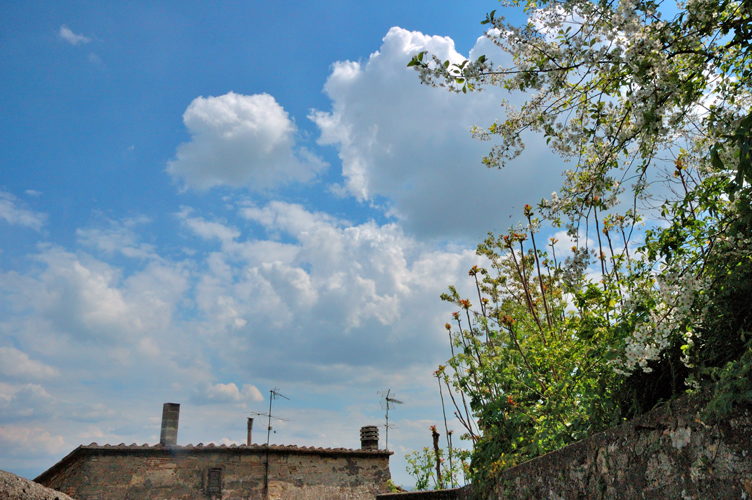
x,y
450,494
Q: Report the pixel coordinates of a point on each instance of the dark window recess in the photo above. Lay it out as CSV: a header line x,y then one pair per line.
x,y
215,482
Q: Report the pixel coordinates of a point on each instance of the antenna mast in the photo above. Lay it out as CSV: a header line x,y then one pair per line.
x,y
273,394
388,401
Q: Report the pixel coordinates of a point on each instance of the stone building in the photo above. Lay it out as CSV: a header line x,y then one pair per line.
x,y
254,472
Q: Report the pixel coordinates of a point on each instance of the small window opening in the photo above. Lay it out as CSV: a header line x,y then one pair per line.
x,y
215,482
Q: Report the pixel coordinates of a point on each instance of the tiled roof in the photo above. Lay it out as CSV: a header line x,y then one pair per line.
x,y
253,447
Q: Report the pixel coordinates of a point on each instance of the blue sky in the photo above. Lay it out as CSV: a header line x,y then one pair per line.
x,y
201,202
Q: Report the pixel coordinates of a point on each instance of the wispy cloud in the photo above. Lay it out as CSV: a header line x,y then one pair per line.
x,y
117,237
17,364
14,214
69,36
226,393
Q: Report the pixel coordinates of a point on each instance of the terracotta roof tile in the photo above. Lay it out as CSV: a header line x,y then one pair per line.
x,y
233,446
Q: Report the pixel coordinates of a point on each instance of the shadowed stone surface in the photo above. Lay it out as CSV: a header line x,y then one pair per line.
x,y
13,487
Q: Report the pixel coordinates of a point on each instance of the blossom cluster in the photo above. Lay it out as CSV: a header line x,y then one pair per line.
x,y
679,311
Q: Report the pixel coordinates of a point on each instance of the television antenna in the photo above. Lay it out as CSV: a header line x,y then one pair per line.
x,y
388,402
273,394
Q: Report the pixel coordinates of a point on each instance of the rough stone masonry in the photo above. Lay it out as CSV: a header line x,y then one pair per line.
x,y
168,471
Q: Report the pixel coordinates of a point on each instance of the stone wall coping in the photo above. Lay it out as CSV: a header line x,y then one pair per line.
x,y
461,493
158,449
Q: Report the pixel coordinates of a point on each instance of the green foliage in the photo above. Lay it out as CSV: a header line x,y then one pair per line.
x,y
533,359
393,488
422,466
549,355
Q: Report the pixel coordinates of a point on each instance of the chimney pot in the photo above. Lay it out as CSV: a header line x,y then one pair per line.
x,y
170,417
250,429
369,437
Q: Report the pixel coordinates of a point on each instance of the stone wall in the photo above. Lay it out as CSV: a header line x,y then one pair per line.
x,y
669,453
192,473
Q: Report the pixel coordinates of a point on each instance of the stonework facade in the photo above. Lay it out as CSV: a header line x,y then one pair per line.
x,y
199,472
672,452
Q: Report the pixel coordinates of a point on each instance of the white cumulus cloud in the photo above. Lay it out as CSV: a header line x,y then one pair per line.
x,y
241,141
337,293
412,145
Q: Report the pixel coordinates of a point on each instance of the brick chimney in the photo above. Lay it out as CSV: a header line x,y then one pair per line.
x,y
369,437
170,417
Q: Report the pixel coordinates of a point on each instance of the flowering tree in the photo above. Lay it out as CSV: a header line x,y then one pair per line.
x,y
549,355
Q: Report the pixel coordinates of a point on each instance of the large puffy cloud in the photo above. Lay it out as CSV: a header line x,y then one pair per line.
x,y
240,140
411,144
346,299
